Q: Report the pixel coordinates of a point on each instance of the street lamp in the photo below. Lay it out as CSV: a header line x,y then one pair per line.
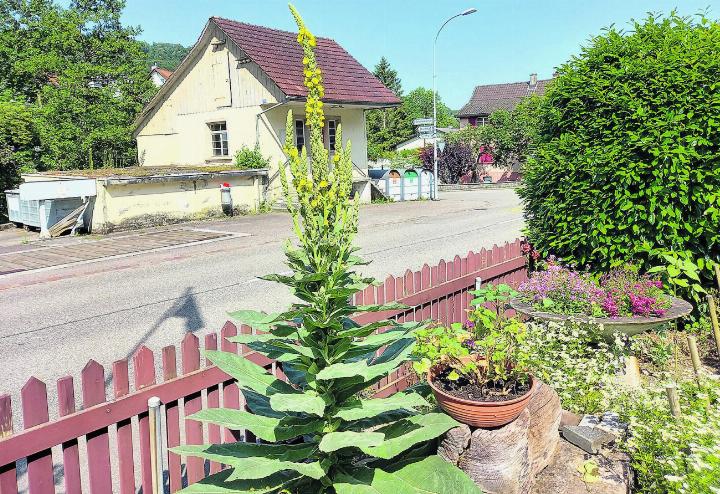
x,y
435,147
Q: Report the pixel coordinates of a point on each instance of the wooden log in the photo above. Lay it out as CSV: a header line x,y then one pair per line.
x,y
712,307
694,355
717,275
673,399
498,459
543,437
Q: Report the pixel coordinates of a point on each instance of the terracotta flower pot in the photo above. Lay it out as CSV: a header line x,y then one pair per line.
x,y
481,413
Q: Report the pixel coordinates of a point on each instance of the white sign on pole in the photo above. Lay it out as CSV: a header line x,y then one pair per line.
x,y
425,129
422,121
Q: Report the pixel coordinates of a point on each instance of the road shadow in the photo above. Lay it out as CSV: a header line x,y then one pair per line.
x,y
185,308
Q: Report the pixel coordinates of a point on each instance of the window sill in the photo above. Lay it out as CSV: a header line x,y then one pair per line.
x,y
219,159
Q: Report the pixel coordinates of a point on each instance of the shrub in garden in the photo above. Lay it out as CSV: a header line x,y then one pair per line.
x,y
251,159
622,292
674,455
576,361
321,431
454,161
485,354
625,168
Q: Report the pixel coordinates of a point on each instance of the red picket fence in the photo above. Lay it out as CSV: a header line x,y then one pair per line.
x,y
103,445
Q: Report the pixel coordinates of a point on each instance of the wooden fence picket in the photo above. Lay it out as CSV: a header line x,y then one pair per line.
x,y
231,393
71,455
98,442
193,404
439,292
172,420
213,401
126,461
8,473
144,366
35,412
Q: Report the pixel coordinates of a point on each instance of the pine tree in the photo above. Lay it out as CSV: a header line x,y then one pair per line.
x,y
388,76
388,127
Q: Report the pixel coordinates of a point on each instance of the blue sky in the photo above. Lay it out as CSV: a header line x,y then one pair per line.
x,y
504,41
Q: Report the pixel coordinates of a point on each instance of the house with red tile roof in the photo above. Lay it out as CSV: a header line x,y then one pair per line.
x,y
235,88
490,97
158,75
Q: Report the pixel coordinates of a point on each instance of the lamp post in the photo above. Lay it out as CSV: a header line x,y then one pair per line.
x,y
435,149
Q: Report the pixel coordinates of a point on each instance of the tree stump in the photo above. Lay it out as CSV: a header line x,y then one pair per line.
x,y
505,460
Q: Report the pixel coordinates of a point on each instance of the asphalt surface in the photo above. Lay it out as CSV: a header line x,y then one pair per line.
x,y
53,321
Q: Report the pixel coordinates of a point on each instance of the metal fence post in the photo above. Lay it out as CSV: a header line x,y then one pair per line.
x,y
156,461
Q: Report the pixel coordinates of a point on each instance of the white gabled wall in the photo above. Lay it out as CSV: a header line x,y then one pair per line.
x,y
214,85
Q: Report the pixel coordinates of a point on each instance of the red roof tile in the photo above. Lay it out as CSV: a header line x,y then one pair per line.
x,y
487,99
165,73
279,55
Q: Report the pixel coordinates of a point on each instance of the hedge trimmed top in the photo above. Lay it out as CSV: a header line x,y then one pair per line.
x,y
626,166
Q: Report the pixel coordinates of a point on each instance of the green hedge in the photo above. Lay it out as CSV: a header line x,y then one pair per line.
x,y
627,164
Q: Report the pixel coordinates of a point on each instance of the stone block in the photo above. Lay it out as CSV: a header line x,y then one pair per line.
x,y
589,439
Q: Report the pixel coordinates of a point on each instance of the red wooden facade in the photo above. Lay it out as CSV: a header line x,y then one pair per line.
x,y
100,444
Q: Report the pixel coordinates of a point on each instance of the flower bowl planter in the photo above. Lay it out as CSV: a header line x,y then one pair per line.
x,y
481,413
610,325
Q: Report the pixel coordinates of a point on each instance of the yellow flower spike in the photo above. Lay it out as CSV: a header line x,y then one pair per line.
x,y
323,184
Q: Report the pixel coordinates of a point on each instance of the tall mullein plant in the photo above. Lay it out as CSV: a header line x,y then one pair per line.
x,y
322,432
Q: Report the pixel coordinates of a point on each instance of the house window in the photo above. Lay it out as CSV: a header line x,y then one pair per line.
x,y
219,138
482,121
299,134
332,130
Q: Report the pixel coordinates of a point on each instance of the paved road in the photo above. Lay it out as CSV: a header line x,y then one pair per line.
x,y
53,321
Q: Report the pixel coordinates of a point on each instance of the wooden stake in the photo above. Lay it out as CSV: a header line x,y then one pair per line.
x,y
694,355
673,399
714,320
632,377
717,275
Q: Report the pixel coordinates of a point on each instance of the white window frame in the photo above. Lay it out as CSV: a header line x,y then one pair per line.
x,y
482,121
219,136
300,138
331,142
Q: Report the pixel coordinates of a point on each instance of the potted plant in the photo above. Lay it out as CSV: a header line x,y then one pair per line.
x,y
622,300
478,370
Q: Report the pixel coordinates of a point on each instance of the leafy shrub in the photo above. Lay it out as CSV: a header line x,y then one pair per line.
x,y
251,159
509,138
320,435
674,455
488,335
455,161
576,361
622,292
625,168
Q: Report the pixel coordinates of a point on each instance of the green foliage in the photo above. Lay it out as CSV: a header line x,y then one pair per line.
x,y
576,361
626,163
251,159
488,349
674,455
17,137
329,359
83,73
419,104
386,128
509,136
166,55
